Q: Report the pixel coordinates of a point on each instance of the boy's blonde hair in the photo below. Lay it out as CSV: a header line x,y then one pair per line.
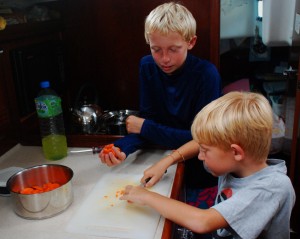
x,y
172,17
241,118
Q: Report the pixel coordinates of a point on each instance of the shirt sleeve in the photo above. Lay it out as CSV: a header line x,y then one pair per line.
x,y
130,143
164,135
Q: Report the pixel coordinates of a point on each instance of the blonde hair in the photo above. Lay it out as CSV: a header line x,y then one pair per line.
x,y
171,17
241,118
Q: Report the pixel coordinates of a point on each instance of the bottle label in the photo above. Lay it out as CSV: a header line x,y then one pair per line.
x,y
47,107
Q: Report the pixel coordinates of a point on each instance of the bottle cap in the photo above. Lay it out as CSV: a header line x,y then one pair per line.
x,y
45,84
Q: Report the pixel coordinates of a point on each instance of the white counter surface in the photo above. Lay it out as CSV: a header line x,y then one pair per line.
x,y
87,172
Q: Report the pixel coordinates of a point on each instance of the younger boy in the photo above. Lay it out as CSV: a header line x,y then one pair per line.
x,y
255,196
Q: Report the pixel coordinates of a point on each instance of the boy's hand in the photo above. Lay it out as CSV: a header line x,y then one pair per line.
x,y
153,174
134,194
113,157
134,124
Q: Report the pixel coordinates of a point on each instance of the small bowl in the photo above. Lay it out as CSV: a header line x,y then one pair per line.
x,y
45,204
114,122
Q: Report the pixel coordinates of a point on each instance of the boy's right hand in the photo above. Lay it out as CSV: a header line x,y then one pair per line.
x,y
135,194
134,124
112,157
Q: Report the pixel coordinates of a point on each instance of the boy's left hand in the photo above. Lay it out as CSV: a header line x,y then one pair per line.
x,y
154,174
112,159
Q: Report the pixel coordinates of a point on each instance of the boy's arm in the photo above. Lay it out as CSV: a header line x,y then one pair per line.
x,y
195,219
157,170
130,143
164,135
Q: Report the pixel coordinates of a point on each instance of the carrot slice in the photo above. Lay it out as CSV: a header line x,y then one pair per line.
x,y
108,149
40,189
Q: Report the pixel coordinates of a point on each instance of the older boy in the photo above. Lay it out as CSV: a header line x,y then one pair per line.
x,y
174,87
255,196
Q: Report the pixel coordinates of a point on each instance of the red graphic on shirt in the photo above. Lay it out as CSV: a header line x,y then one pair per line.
x,y
224,195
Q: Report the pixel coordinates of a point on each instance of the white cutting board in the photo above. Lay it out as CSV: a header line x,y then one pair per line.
x,y
103,214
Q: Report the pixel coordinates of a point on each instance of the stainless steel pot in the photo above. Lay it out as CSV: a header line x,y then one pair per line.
x,y
86,111
114,122
87,118
45,204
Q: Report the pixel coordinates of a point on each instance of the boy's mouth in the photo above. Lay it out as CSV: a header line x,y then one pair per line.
x,y
166,68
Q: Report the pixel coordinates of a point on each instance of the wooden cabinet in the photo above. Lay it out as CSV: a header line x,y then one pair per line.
x,y
105,41
14,127
8,135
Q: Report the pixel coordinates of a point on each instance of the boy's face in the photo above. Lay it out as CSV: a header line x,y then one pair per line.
x,y
218,161
170,51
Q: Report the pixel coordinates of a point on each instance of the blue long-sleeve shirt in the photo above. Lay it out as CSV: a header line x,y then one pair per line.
x,y
169,103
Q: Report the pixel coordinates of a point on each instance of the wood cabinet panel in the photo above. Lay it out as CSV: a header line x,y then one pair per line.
x,y
105,41
8,133
14,128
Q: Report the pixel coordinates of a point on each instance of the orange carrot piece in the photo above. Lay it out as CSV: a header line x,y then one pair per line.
x,y
38,189
108,149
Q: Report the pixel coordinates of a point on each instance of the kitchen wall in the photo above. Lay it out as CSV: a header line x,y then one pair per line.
x,y
278,26
237,18
250,41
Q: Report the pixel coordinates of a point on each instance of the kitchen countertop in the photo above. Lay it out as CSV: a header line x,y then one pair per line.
x,y
87,173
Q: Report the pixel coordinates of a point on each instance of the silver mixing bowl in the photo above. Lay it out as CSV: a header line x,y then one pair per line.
x,y
114,122
46,204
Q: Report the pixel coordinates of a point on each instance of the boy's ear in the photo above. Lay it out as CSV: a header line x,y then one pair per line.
x,y
239,153
192,42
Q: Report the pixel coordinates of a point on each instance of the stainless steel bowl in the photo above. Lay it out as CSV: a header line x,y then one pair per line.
x,y
46,204
114,122
87,118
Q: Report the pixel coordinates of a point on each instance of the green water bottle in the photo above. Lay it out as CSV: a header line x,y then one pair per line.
x,y
50,114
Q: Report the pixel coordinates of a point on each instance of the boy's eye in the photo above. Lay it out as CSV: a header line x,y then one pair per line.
x,y
155,49
173,49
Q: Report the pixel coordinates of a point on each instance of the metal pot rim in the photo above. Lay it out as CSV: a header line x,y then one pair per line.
x,y
12,177
45,204
108,114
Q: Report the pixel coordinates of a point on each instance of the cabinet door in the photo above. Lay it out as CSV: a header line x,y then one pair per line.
x,y
7,131
105,41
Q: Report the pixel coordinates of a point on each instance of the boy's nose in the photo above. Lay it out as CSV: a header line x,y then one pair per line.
x,y
165,57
